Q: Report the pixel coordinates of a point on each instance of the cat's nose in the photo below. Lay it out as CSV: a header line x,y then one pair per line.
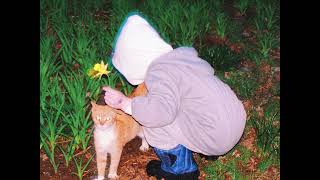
x,y
102,122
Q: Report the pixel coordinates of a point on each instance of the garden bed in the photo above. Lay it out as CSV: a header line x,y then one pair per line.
x,y
240,39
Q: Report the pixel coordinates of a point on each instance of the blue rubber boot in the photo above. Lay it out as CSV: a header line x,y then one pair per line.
x,y
176,163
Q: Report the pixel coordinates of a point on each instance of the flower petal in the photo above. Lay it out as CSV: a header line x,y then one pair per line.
x,y
97,67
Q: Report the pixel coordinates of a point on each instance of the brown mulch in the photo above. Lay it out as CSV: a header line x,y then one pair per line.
x,y
249,140
215,39
132,164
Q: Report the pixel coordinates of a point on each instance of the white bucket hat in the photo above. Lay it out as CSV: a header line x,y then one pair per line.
x,y
138,44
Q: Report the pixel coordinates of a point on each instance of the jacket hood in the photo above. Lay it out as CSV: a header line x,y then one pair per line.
x,y
137,46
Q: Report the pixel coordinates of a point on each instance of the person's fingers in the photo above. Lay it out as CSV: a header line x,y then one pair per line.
x,y
112,92
109,102
112,100
113,104
108,94
105,88
108,89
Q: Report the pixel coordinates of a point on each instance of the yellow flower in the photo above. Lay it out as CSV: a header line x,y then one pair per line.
x,y
98,70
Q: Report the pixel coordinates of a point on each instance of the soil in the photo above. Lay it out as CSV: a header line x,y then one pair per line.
x,y
132,164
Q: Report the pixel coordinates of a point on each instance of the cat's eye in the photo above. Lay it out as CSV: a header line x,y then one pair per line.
x,y
108,118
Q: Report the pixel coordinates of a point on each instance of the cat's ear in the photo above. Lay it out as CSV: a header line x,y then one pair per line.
x,y
93,103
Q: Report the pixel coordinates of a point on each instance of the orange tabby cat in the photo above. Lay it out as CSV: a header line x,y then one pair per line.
x,y
113,129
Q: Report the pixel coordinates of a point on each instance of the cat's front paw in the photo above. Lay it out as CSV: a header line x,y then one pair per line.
x,y
144,147
113,176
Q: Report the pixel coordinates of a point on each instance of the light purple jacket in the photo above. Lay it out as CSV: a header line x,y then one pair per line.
x,y
186,104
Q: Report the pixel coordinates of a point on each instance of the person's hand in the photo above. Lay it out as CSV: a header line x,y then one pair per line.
x,y
113,97
117,99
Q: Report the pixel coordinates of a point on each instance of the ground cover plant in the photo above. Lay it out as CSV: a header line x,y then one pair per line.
x,y
239,38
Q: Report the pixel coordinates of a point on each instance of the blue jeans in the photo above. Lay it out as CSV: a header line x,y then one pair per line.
x,y
178,160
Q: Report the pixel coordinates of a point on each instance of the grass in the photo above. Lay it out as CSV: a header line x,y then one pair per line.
x,y
268,130
50,123
86,30
268,15
77,118
220,170
265,164
47,70
266,42
242,5
68,152
80,166
171,20
221,24
67,45
220,57
126,88
243,84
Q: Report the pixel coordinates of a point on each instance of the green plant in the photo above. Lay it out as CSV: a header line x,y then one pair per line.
x,y
93,86
267,15
211,173
221,24
112,79
68,153
268,129
243,85
245,153
79,123
251,52
220,57
242,5
259,24
80,166
50,124
275,90
57,4
102,41
178,23
219,170
270,12
43,25
77,118
50,151
47,69
73,85
86,40
217,5
89,60
42,5
235,30
82,47
126,87
234,172
266,42
67,45
265,163
57,12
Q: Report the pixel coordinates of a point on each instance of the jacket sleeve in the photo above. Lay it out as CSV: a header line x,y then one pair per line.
x,y
160,106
